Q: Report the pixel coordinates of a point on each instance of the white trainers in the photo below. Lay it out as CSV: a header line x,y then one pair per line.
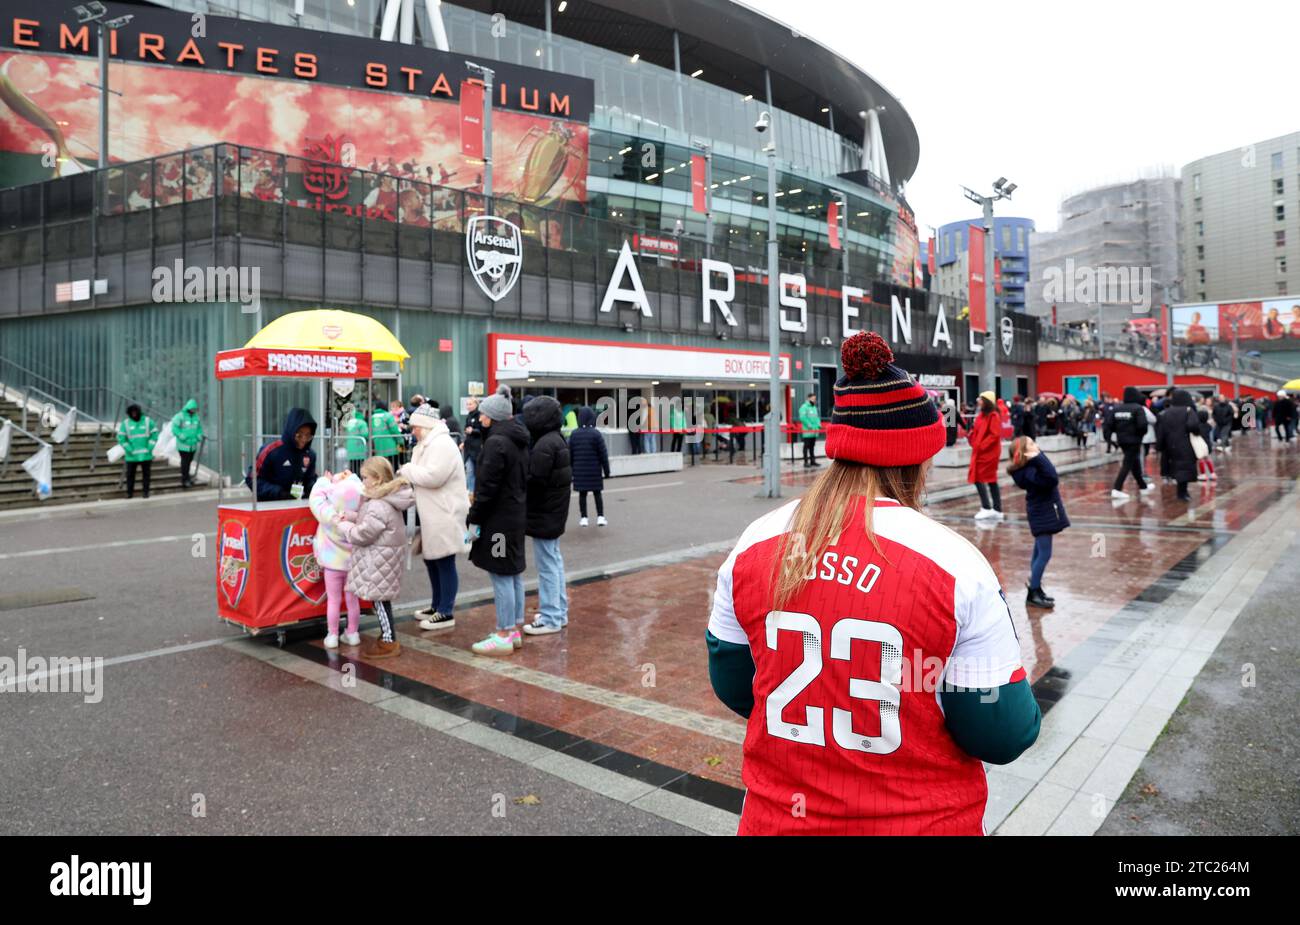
x,y
582,521
1151,486
439,621
538,628
352,639
986,513
331,641
601,521
1119,495
998,515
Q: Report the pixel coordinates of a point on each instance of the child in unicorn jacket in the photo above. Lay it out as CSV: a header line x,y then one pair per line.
x,y
331,496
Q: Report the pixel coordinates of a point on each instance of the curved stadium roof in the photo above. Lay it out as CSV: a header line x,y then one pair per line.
x,y
806,76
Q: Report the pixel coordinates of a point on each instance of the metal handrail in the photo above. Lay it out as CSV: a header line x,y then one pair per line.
x,y
100,426
4,463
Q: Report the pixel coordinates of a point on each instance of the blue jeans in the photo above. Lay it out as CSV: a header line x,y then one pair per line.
x,y
1042,555
444,581
508,595
552,600
469,473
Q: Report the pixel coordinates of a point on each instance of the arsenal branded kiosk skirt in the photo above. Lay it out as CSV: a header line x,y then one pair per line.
x,y
267,574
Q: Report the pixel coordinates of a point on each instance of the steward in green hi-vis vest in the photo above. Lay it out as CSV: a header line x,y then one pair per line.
x,y
388,436
137,435
357,431
187,428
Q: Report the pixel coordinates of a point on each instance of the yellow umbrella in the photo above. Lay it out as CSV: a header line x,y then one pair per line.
x,y
1292,386
330,329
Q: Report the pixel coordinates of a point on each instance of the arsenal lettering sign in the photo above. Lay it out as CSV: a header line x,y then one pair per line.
x,y
309,364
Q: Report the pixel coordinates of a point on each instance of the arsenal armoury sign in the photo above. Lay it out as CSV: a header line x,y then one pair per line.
x,y
495,252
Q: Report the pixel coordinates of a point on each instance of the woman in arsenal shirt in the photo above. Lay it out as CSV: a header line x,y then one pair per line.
x,y
870,647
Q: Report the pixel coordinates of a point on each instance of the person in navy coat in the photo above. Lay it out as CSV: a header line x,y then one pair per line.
x,y
590,460
1033,471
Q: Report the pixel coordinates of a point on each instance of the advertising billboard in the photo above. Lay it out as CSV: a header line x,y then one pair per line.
x,y
1263,319
385,107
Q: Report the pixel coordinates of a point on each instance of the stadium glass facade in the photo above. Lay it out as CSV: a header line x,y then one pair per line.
x,y
233,202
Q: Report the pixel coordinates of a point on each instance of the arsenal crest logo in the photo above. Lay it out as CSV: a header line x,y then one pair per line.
x,y
233,565
298,561
496,254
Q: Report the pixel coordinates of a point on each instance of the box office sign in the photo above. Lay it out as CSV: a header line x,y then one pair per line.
x,y
517,357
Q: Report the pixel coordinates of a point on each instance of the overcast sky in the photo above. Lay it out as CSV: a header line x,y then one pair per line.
x,y
1096,92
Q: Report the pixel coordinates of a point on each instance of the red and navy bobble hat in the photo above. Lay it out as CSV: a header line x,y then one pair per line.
x,y
881,417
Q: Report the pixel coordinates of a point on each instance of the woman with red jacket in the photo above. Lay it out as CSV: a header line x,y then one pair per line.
x,y
986,449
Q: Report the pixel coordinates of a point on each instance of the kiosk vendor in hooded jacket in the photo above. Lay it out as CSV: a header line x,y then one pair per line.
x,y
289,461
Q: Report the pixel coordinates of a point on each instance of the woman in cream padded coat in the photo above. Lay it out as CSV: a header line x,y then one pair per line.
x,y
437,474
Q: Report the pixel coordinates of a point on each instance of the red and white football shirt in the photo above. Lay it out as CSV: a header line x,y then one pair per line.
x,y
847,735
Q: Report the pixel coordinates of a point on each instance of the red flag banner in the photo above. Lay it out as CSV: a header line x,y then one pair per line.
x,y
471,119
997,275
975,280
930,256
699,192
833,223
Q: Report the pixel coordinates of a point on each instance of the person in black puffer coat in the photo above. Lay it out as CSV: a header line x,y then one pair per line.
x,y
550,480
1125,425
1174,432
1221,412
500,512
1033,471
590,465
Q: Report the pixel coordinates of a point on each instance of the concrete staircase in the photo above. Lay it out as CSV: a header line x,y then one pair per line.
x,y
74,479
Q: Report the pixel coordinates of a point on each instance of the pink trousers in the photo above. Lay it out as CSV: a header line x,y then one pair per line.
x,y
336,581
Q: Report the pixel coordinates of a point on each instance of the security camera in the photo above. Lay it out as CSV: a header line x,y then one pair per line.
x,y
764,121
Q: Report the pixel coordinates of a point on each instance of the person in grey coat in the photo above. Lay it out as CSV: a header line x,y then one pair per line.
x,y
377,533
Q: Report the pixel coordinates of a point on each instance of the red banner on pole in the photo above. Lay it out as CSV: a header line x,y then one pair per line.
x,y
471,119
930,256
833,223
997,275
975,280
699,191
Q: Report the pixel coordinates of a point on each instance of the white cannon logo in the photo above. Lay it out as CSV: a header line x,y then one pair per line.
x,y
496,253
1008,334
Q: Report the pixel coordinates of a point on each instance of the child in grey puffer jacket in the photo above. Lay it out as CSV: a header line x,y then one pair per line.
x,y
377,533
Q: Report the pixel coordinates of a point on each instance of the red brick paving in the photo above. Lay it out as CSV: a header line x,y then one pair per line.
x,y
657,616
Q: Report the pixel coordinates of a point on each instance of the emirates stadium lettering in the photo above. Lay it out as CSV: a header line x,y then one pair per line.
x,y
342,365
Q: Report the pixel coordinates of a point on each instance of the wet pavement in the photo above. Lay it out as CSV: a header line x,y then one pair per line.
x,y
626,685
618,706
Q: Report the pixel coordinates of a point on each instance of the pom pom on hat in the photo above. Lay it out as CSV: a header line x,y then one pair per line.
x,y
881,416
865,355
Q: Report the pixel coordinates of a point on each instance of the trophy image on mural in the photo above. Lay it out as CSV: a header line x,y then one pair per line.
x,y
548,160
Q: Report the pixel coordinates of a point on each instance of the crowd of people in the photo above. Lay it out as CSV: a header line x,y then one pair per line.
x,y
506,475
1184,430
